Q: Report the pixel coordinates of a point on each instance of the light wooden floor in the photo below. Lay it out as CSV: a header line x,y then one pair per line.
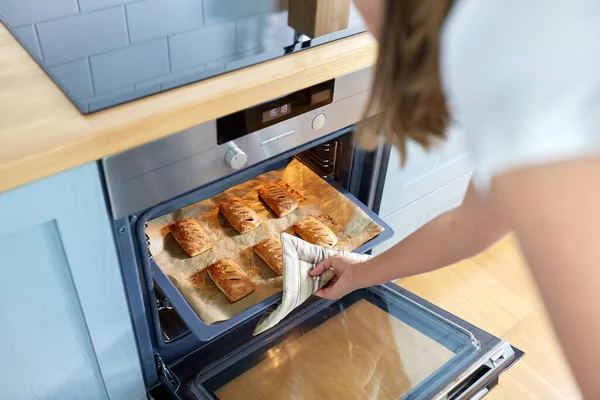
x,y
496,292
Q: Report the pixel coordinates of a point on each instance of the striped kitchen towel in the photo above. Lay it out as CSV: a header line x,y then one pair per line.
x,y
299,257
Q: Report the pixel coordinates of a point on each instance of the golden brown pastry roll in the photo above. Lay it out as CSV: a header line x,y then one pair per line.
x,y
239,215
191,237
278,198
271,252
314,231
230,279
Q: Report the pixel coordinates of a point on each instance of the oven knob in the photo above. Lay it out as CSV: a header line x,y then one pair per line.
x,y
318,122
236,158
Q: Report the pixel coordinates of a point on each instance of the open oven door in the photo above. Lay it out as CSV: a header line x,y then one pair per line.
x,y
376,343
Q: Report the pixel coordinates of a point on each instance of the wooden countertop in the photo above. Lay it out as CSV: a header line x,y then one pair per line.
x,y
43,133
496,292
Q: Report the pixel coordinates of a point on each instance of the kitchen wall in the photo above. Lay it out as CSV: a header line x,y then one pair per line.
x,y
118,46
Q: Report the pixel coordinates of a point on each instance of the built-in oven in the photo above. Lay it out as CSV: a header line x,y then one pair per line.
x,y
380,342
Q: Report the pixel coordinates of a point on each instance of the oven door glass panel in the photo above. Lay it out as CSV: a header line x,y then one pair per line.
x,y
359,353
374,343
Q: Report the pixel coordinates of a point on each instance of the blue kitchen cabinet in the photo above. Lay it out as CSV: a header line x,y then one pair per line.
x,y
65,329
428,184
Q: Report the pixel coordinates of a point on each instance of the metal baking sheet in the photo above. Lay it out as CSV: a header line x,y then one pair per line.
x,y
354,224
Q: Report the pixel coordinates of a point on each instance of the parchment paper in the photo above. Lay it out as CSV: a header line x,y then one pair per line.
x,y
317,198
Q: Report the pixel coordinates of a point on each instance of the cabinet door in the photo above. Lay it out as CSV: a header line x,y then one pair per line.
x,y
429,184
66,331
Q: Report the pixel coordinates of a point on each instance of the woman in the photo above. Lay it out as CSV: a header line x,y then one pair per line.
x,y
522,80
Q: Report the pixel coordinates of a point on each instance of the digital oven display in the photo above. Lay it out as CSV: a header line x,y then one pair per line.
x,y
244,122
277,112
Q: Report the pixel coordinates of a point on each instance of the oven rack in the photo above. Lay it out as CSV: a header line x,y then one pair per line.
x,y
322,159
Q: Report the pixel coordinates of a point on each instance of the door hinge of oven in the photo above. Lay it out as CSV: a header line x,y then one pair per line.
x,y
498,357
166,373
147,242
163,304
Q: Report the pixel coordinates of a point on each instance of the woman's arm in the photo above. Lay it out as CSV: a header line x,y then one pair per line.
x,y
555,211
451,237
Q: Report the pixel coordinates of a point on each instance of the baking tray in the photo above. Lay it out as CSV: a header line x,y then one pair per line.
x,y
206,332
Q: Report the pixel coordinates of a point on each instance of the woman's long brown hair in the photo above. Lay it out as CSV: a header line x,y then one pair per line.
x,y
407,101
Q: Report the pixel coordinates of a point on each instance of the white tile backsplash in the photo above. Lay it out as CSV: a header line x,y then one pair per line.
x,y
82,35
151,19
118,38
75,77
28,36
193,48
91,5
22,12
219,11
130,65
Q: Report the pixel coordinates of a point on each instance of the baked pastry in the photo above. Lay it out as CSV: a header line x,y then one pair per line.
x,y
191,237
231,279
278,198
271,252
199,280
239,215
314,231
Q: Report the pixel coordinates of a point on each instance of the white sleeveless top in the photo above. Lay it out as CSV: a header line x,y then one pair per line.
x,y
522,79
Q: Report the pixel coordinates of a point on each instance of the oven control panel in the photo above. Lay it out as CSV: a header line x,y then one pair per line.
x,y
245,122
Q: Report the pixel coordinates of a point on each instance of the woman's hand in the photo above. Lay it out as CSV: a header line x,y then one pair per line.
x,y
343,281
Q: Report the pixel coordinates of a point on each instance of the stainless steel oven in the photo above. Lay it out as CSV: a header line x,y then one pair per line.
x,y
406,347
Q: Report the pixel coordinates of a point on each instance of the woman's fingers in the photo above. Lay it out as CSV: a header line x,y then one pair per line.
x,y
337,286
321,267
336,263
